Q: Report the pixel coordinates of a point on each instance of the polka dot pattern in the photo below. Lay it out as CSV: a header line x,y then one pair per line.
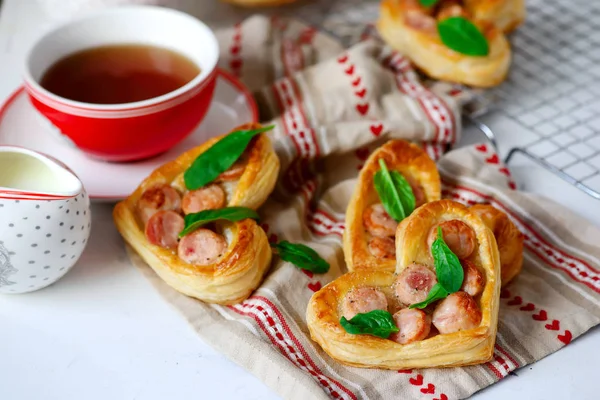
x,y
40,241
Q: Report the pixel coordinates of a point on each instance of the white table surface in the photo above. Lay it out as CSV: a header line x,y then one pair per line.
x,y
102,332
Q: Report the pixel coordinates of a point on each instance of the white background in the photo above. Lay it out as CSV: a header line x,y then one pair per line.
x,y
103,333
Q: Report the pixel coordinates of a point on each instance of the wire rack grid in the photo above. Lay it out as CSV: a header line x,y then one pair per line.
x,y
553,90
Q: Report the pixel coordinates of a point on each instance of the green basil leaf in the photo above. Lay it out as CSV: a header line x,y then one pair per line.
x,y
449,271
428,3
219,157
395,192
378,323
436,293
196,220
407,197
301,256
462,36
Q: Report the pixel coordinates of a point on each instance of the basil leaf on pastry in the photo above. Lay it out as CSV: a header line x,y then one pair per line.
x,y
448,269
369,229
395,192
301,256
428,3
447,266
232,214
437,293
377,323
462,36
206,242
465,321
219,157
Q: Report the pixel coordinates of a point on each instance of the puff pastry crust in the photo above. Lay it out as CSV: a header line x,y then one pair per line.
x,y
399,155
466,347
425,49
508,237
507,15
241,268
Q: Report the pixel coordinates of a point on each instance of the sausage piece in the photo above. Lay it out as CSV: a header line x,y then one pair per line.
x,y
384,248
234,172
416,17
414,325
362,300
457,312
414,283
378,222
451,9
162,229
459,237
474,282
158,198
202,247
210,197
417,190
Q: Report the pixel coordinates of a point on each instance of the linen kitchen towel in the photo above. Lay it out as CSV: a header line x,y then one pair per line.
x,y
331,108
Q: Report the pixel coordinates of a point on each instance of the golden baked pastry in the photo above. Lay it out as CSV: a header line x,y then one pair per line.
x,y
507,15
369,230
259,3
411,29
224,263
508,237
461,328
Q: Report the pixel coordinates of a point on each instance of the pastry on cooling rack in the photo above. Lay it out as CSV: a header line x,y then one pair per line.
x,y
508,237
457,41
193,220
259,3
507,15
439,308
370,229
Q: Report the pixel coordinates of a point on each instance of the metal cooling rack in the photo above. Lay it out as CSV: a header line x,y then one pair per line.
x,y
553,91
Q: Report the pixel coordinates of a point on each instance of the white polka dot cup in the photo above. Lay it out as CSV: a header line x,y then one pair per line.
x,y
45,220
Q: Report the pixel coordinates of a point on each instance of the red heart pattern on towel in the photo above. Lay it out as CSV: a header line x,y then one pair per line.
x,y
418,381
429,389
314,286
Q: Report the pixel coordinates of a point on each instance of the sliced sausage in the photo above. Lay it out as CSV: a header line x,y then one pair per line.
x,y
416,17
158,198
457,312
414,283
451,8
384,248
417,190
459,237
209,197
234,172
474,282
378,222
362,300
163,229
202,247
414,325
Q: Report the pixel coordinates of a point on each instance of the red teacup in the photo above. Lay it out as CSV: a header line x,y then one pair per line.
x,y
129,131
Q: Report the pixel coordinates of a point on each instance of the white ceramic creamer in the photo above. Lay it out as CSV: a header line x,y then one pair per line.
x,y
44,220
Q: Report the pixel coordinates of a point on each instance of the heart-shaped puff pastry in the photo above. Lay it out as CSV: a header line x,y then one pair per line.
x,y
411,29
433,349
508,237
370,231
246,256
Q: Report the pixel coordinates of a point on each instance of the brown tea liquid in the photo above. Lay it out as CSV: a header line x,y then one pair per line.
x,y
119,74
